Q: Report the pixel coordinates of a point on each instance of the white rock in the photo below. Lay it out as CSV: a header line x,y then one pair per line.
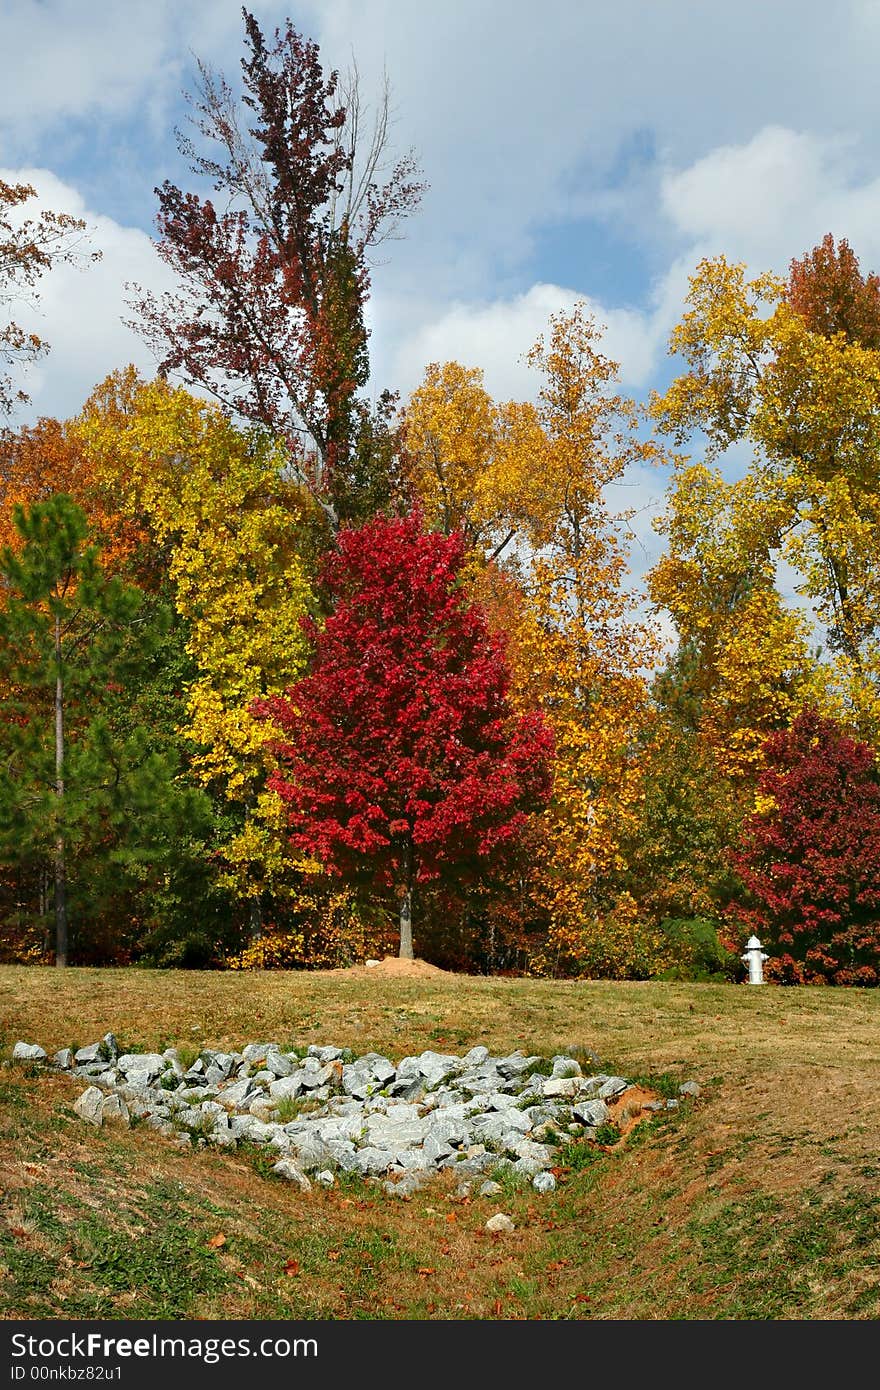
x,y
544,1182
561,1086
89,1105
149,1063
286,1169
491,1188
28,1052
114,1111
500,1222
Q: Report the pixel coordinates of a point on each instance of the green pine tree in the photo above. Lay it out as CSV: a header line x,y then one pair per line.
x,y
83,786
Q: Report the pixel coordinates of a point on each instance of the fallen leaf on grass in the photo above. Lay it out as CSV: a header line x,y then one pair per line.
x,y
291,1268
424,1272
217,1241
333,1255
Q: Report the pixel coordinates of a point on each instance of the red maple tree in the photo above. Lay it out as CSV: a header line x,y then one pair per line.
x,y
401,761
811,858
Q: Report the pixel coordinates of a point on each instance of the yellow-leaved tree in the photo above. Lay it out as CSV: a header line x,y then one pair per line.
x,y
528,485
237,538
769,367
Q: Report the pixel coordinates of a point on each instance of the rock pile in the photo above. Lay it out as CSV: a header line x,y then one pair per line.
x,y
325,1111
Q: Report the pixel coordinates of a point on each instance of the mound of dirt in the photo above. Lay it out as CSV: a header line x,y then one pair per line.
x,y
393,965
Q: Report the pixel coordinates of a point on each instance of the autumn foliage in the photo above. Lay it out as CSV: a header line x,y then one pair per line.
x,y
400,759
395,677
810,856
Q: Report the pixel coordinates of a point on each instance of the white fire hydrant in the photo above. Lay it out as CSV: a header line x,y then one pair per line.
x,y
754,958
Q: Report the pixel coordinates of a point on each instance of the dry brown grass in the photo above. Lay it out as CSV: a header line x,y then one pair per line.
x,y
760,1200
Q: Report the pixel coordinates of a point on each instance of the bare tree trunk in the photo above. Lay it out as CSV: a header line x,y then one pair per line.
x,y
406,941
60,865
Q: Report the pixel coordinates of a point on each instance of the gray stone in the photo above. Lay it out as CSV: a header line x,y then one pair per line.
x,y
614,1086
356,1081
407,1088
412,1160
257,1051
672,1105
490,1188
344,1156
561,1086
240,1125
566,1066
500,1224
531,1157
63,1059
214,1076
110,1047
654,1105
286,1169
235,1094
515,1064
114,1111
476,1057
325,1054
591,1113
544,1182
28,1052
406,1187
261,1108
435,1149
279,1065
312,1078
224,1061
88,1106
325,1178
286,1087
311,1152
194,1094
689,1088
373,1161
92,1053
151,1064
259,1132
434,1066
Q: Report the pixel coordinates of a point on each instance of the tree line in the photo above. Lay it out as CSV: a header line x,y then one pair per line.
x,y
293,672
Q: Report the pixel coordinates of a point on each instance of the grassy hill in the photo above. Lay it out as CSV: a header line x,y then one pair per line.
x,y
761,1199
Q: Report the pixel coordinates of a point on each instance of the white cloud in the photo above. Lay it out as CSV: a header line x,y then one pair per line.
x,y
80,308
497,334
773,197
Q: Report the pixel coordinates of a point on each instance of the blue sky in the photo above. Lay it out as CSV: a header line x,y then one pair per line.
x,y
574,150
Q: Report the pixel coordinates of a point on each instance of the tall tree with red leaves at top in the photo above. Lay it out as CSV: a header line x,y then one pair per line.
x,y
401,762
828,290
810,856
270,314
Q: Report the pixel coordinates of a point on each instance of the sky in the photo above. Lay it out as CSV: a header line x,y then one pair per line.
x,y
574,150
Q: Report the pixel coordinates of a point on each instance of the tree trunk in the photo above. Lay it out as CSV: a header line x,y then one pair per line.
x,y
60,866
406,941
255,918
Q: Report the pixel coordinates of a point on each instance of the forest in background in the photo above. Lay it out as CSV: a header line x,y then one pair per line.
x,y
293,672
